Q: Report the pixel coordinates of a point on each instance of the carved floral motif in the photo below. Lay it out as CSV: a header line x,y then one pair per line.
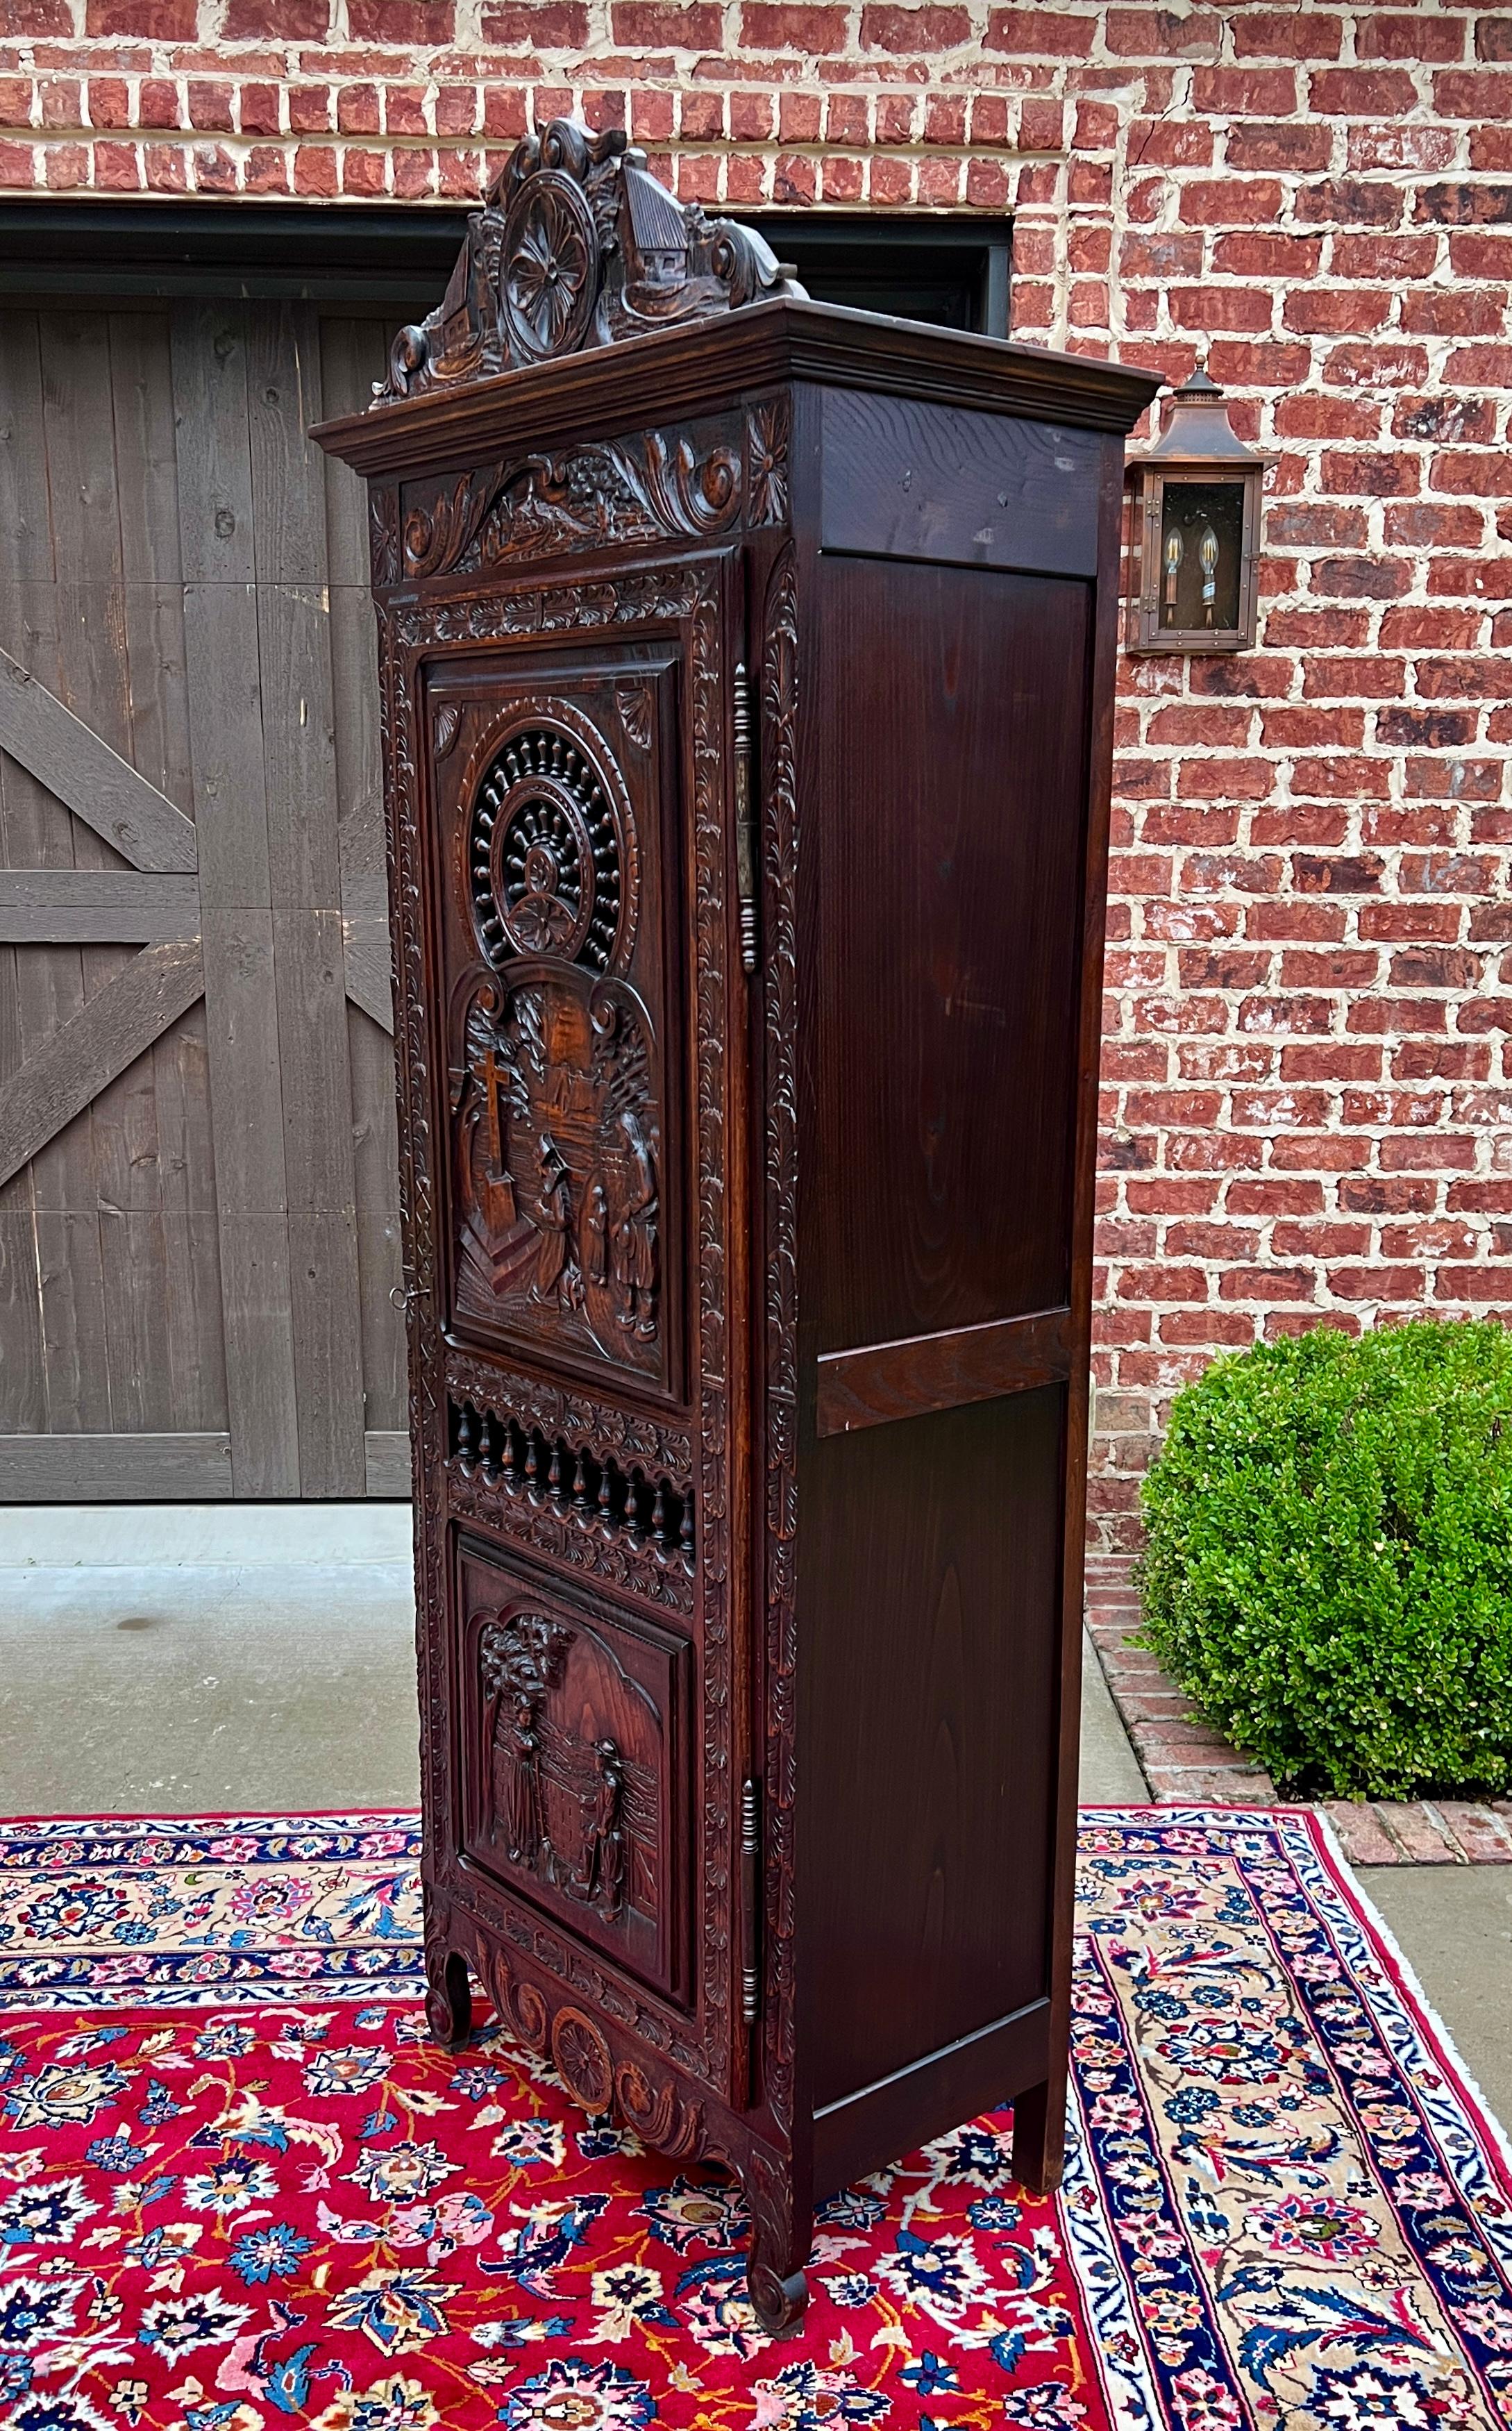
x,y
548,267
769,431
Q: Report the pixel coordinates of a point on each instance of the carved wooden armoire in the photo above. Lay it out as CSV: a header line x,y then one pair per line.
x,y
747,672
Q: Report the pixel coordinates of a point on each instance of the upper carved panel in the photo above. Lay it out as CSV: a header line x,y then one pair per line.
x,y
578,246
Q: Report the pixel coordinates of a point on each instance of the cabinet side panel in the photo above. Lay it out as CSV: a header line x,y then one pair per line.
x,y
950,800
931,1656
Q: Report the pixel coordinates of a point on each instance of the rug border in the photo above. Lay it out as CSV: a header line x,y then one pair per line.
x,y
1408,1985
224,1815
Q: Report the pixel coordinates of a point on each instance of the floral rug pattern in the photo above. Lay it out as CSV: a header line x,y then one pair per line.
x,y
240,2189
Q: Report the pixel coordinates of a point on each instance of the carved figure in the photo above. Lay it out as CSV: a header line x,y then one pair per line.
x,y
598,1874
557,1269
520,1659
634,1234
595,1232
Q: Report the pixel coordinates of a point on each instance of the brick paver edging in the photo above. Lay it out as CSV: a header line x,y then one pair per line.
x,y
1185,1762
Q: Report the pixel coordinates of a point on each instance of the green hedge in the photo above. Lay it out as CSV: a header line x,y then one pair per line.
x,y
1328,1569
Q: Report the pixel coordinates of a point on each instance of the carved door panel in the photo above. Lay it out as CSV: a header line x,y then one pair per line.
x,y
556,793
574,1764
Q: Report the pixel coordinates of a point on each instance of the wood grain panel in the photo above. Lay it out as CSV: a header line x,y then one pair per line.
x,y
165,646
940,1371
107,1032
949,784
927,1592
73,762
43,907
115,1468
907,479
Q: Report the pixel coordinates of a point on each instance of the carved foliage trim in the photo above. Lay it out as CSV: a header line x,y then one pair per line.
x,y
600,496
780,848
565,1410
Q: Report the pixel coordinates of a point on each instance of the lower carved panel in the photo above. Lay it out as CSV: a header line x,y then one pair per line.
x,y
607,2075
575,1754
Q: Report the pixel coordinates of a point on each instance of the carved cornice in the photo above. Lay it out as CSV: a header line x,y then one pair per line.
x,y
578,246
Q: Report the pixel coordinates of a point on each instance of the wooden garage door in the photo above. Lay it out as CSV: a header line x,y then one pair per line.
x,y
198,1227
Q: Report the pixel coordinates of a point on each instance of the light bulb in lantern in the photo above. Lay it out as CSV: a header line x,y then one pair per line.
x,y
1207,552
1174,553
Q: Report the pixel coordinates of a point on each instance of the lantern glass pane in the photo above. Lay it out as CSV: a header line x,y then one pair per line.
x,y
1201,532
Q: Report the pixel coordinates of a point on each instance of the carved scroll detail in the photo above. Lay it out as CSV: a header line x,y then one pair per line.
x,y
565,1410
577,245
601,496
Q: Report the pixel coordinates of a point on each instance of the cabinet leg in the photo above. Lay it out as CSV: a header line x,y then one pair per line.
x,y
1039,2137
782,2231
449,1999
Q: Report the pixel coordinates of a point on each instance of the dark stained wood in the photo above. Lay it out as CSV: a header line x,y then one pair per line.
x,y
868,2129
939,1371
907,479
744,1178
948,816
933,1548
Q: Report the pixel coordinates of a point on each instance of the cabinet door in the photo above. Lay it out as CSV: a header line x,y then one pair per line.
x,y
575,1778
556,790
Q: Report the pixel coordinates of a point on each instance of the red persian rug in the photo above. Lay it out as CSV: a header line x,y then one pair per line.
x,y
239,2190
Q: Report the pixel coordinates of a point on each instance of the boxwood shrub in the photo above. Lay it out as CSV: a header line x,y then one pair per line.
x,y
1328,1562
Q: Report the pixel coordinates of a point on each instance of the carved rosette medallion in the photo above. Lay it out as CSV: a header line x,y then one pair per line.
x,y
548,866
581,2058
548,267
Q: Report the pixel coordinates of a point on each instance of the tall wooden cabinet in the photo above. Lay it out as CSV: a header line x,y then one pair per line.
x,y
747,673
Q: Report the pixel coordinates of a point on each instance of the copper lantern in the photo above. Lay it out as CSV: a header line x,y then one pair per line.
x,y
1195,530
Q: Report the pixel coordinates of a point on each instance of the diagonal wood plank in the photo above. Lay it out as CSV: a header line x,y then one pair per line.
x,y
124,907
98,785
368,980
82,1058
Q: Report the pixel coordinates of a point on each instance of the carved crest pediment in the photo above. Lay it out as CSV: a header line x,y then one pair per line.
x,y
576,247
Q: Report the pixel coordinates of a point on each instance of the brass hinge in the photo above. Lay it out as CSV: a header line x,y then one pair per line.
x,y
745,835
750,1901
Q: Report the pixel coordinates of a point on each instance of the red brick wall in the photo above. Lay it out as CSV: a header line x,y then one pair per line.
x,y
1308,1106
